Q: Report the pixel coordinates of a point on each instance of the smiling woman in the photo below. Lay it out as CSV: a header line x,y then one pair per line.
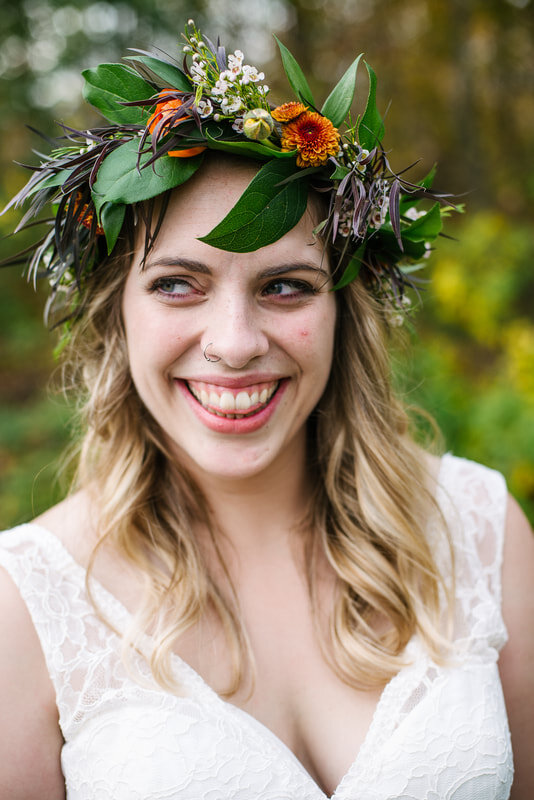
x,y
259,586
268,318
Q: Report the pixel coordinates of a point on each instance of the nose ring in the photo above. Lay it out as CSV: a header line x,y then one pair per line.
x,y
207,357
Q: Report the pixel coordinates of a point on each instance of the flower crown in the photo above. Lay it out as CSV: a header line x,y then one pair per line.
x,y
164,116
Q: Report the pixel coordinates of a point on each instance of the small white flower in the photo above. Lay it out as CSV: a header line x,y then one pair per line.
x,y
396,320
198,73
186,48
216,117
235,60
344,228
413,213
377,218
251,75
237,124
221,87
263,89
229,105
190,21
227,75
360,157
345,219
205,108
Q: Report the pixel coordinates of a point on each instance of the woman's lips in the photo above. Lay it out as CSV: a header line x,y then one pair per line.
x,y
222,408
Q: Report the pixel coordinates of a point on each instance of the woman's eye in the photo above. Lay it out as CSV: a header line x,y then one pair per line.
x,y
289,289
173,287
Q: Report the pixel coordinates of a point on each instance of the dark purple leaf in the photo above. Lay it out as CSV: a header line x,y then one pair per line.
x,y
394,212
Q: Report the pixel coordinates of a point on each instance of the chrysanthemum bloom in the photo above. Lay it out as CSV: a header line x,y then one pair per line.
x,y
288,111
164,111
313,136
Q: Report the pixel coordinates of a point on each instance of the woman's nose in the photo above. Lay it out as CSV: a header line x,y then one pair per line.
x,y
234,335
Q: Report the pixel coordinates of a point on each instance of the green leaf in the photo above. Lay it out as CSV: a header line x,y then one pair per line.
x,y
119,180
337,104
428,180
425,228
110,84
295,75
111,218
300,174
168,73
371,127
51,181
385,242
352,269
254,149
339,173
265,211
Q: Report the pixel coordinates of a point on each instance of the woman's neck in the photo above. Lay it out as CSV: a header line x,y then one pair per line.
x,y
263,510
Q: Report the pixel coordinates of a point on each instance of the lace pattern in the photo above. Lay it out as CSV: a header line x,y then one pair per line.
x,y
438,733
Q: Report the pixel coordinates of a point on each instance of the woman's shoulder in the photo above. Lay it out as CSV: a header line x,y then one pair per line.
x,y
71,522
44,555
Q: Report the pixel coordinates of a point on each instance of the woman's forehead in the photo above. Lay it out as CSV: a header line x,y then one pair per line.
x,y
197,207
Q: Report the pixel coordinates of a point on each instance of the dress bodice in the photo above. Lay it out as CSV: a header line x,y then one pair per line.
x,y
438,732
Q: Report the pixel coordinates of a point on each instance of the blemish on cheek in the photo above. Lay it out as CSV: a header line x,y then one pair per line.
x,y
303,333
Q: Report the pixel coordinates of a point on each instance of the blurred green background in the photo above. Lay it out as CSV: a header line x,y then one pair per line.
x,y
456,78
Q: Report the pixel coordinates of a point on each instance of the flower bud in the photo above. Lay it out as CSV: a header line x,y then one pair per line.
x,y
257,124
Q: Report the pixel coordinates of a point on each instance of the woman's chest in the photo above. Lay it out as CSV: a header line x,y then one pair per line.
x,y
289,687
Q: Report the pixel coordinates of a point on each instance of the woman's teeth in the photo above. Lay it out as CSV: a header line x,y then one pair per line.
x,y
232,403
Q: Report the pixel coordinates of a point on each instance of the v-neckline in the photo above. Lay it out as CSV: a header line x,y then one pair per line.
x,y
121,616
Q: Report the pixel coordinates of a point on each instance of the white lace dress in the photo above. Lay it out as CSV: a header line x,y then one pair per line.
x,y
437,733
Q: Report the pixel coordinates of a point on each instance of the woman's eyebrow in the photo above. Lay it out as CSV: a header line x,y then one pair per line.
x,y
185,263
283,269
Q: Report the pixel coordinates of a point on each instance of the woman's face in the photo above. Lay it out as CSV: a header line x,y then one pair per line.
x,y
266,320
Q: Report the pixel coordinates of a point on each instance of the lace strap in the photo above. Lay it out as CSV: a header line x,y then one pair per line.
x,y
473,499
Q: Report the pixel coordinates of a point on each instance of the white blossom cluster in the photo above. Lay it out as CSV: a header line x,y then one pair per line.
x,y
380,202
360,156
227,93
378,208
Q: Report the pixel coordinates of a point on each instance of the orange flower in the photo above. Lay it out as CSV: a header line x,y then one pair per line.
x,y
165,111
313,136
288,111
85,216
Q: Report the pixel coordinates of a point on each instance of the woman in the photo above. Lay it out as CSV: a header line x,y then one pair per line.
x,y
260,587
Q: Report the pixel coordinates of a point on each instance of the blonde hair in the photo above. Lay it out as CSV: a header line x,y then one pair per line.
x,y
369,514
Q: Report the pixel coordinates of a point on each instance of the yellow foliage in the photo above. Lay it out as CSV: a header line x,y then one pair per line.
x,y
475,279
518,341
